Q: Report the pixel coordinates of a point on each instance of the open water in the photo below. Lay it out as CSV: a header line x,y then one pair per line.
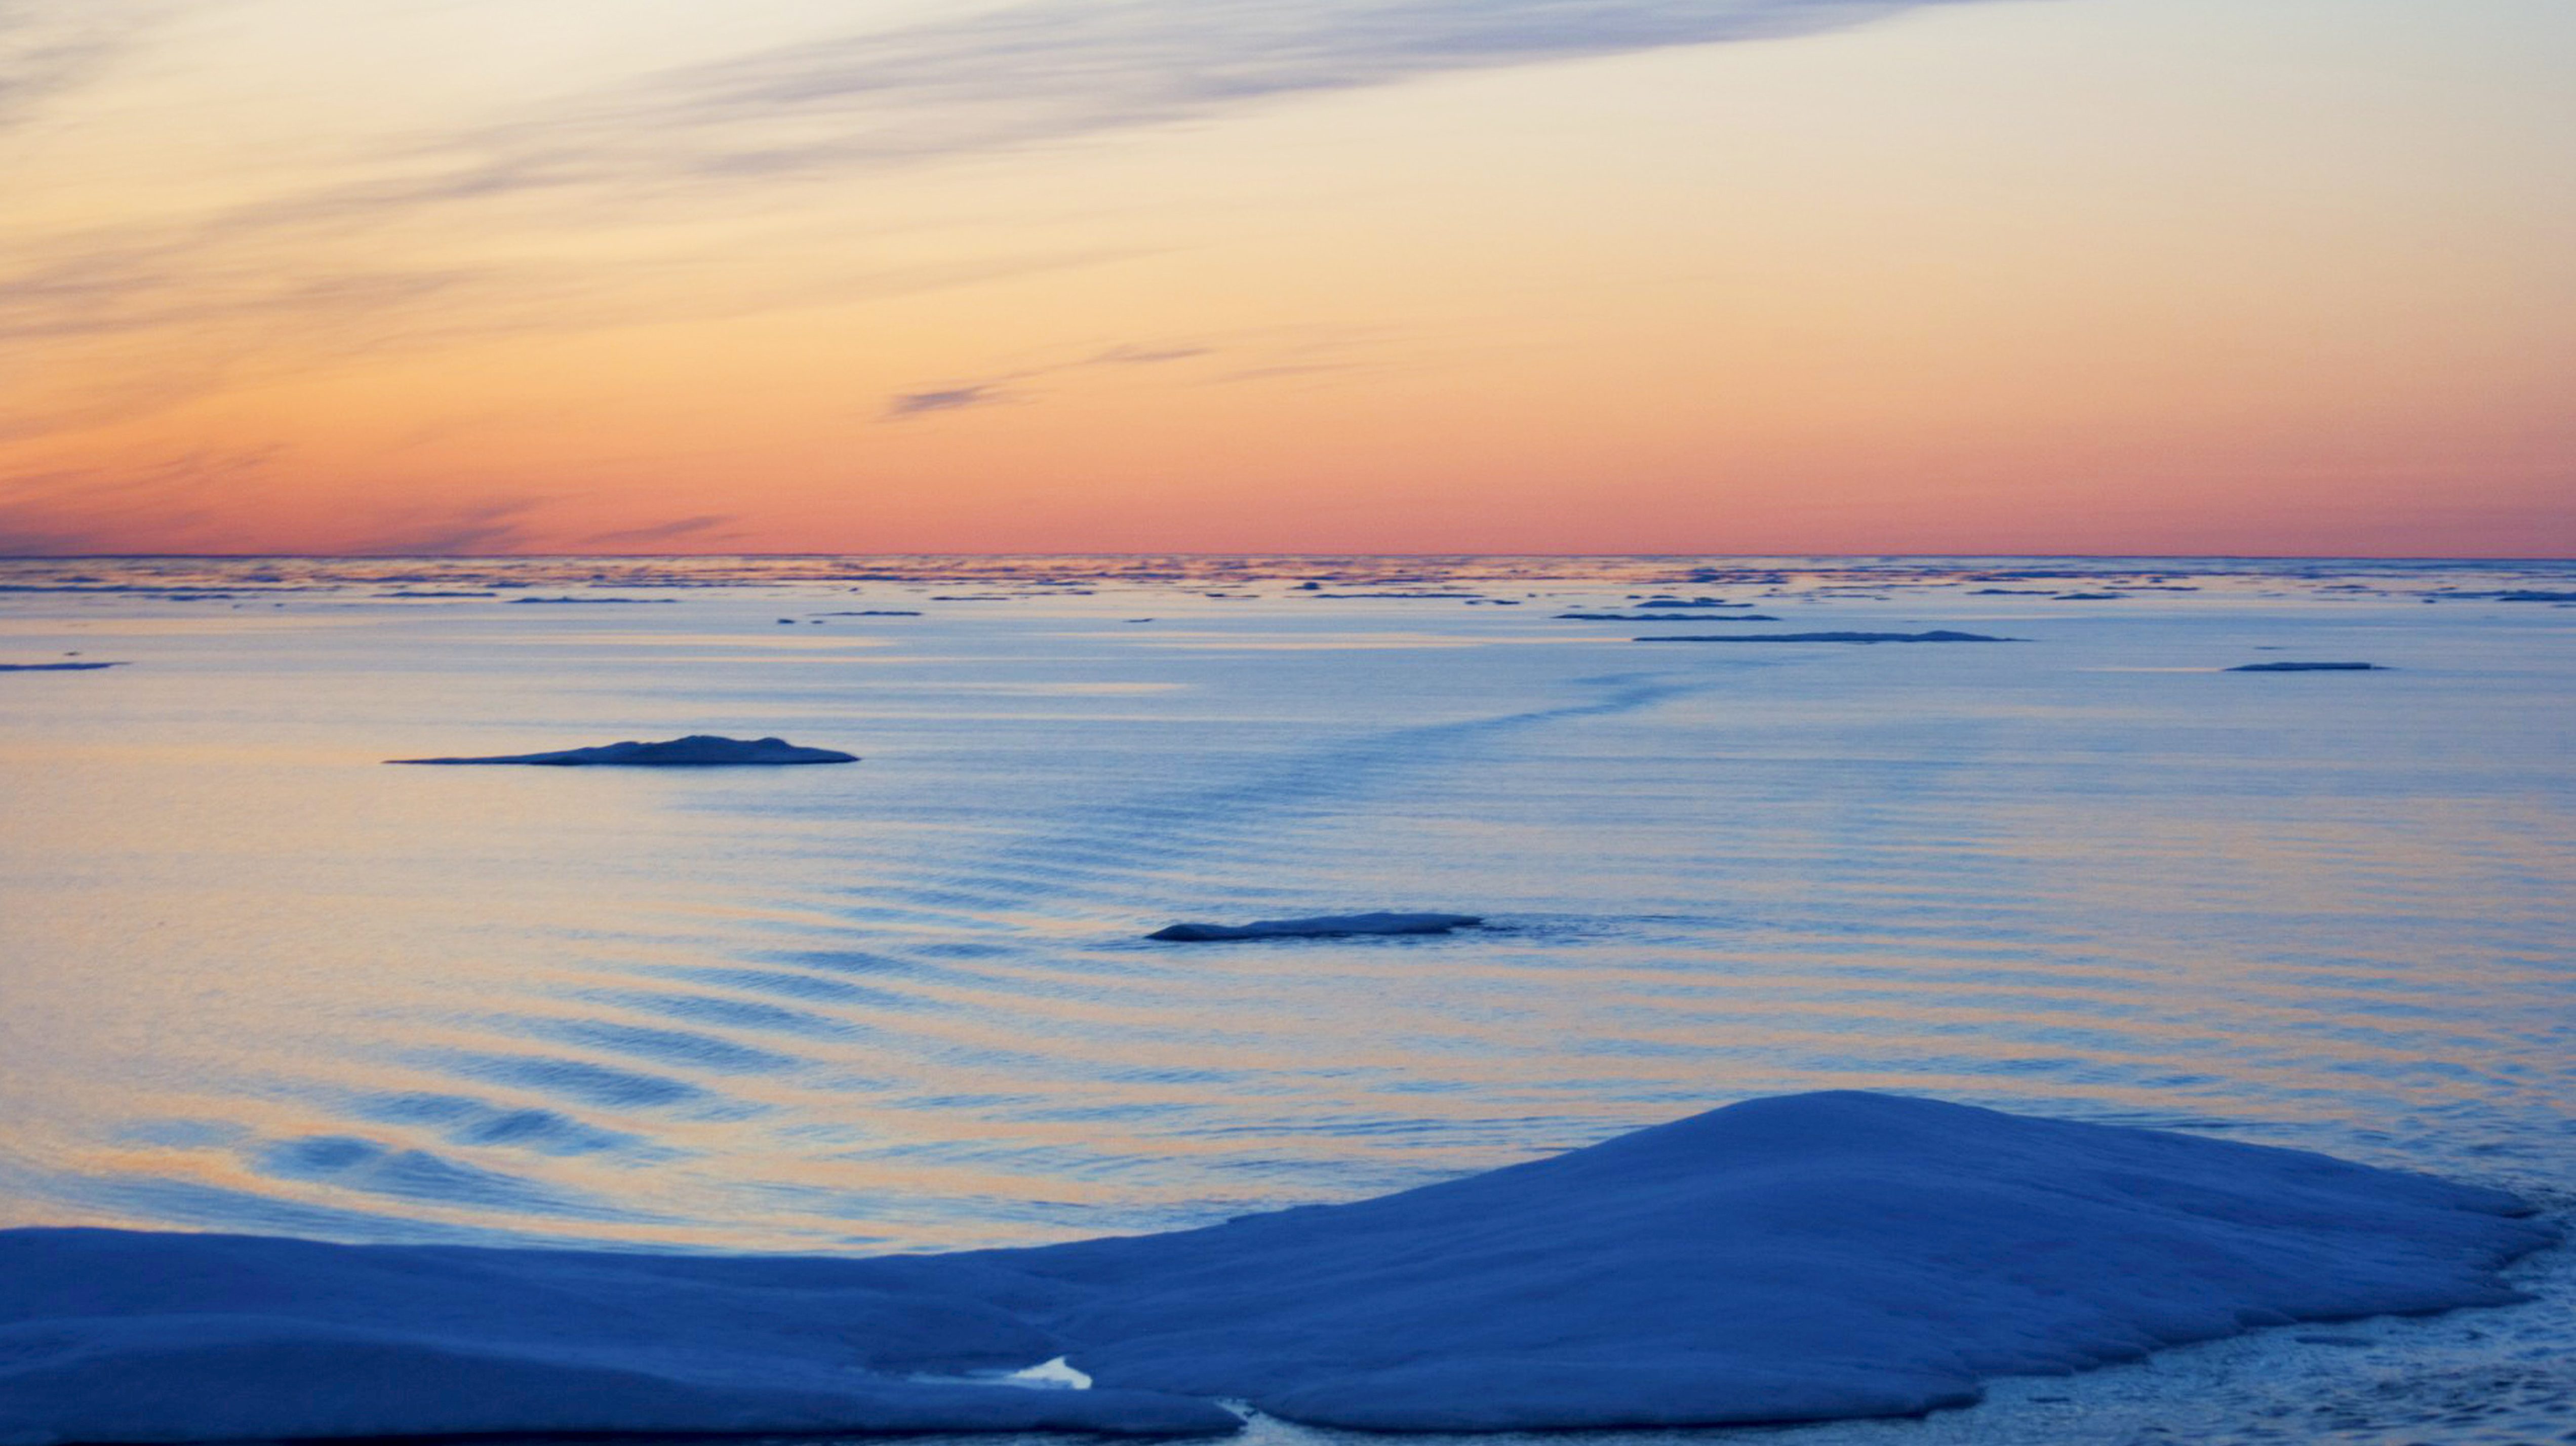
x,y
253,980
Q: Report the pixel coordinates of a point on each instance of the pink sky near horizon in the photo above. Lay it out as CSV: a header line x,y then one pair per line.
x,y
2140,277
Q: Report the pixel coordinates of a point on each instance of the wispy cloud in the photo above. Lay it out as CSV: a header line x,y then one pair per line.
x,y
944,399
49,47
689,527
90,509
1049,70
319,272
482,527
1010,386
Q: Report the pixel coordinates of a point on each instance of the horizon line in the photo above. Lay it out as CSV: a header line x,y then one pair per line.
x,y
1193,552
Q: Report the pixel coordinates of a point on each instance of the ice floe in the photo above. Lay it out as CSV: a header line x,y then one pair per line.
x,y
1665,618
1937,635
1319,927
701,750
1792,1258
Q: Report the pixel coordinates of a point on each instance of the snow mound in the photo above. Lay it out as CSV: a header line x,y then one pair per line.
x,y
1937,635
1323,926
701,750
2306,668
1793,1258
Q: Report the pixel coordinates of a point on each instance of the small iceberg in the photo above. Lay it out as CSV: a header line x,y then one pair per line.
x,y
1324,926
1937,635
701,750
1797,1258
2307,668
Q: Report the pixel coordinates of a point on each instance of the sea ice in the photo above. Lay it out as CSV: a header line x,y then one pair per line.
x,y
1937,635
55,667
1665,618
1792,1258
1321,926
700,750
2305,668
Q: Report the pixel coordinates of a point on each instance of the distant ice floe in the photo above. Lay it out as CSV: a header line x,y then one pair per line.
x,y
1795,1258
1937,635
2307,668
1323,926
1665,618
701,750
56,667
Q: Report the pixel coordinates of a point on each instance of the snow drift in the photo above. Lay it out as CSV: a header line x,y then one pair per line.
x,y
700,750
1793,1258
1322,926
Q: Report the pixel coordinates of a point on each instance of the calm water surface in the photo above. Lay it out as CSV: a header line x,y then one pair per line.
x,y
250,979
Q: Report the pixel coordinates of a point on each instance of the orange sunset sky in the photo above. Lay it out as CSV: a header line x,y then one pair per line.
x,y
2126,276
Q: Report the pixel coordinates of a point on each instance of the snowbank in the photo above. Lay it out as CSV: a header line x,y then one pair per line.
x,y
700,750
1321,927
1792,1258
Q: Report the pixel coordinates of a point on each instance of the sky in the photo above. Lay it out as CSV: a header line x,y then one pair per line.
x,y
2271,277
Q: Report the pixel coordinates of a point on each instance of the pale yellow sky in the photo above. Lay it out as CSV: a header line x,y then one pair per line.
x,y
2253,276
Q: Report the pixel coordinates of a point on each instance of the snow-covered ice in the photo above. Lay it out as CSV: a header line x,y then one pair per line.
x,y
1790,1258
1936,635
699,750
1323,926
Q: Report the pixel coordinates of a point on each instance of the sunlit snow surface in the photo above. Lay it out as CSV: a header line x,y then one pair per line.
x,y
255,982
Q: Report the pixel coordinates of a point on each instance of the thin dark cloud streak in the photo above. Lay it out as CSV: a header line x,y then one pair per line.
x,y
493,526
662,531
1005,389
944,399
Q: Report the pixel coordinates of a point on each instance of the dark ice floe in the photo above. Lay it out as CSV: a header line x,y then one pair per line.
x,y
2306,668
55,667
1802,1257
1665,618
1937,635
1320,927
700,750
